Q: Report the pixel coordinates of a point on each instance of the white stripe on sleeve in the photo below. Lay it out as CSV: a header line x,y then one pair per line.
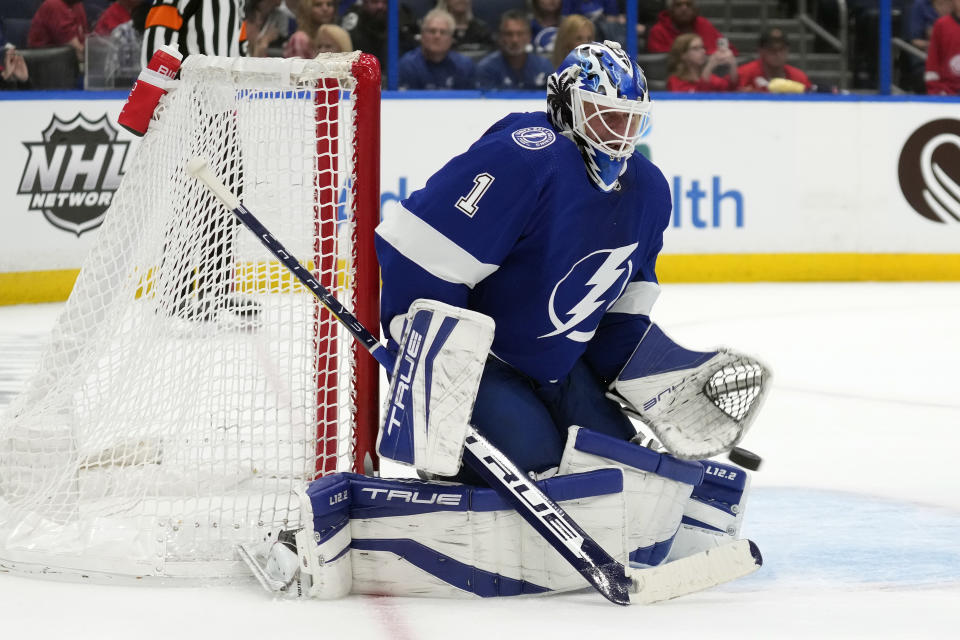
x,y
637,299
432,251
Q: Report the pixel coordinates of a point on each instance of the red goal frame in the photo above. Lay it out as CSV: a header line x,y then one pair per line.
x,y
366,212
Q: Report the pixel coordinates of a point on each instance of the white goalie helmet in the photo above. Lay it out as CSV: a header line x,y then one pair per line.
x,y
601,96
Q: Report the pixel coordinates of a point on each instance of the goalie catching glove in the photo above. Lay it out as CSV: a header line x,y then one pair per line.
x,y
434,385
698,404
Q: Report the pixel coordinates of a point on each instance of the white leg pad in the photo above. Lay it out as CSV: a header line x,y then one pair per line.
x,y
714,514
434,386
656,487
409,538
326,569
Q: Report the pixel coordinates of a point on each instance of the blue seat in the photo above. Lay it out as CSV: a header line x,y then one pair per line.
x,y
15,30
19,9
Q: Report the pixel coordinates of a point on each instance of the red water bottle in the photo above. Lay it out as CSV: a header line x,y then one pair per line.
x,y
151,85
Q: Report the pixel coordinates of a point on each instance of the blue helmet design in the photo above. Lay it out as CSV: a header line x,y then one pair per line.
x,y
607,70
599,98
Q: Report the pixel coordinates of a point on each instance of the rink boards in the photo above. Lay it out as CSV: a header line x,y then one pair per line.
x,y
797,188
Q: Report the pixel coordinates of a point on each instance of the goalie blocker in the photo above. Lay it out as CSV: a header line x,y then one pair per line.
x,y
434,385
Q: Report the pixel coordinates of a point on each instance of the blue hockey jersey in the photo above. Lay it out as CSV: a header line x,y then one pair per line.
x,y
514,229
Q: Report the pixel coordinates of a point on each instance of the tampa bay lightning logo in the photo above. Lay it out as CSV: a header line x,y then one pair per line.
x,y
534,137
588,289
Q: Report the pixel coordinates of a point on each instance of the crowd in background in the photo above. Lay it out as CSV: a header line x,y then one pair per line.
x,y
452,45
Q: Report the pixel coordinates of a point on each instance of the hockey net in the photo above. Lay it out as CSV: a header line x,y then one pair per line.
x,y
191,384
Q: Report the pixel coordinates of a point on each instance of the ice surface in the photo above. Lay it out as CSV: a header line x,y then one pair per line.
x,y
856,510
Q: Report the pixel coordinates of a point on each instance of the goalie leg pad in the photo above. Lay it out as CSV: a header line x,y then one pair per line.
x,y
323,545
656,486
714,514
315,560
410,538
434,386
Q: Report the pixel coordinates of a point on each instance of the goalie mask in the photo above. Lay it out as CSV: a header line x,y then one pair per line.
x,y
598,98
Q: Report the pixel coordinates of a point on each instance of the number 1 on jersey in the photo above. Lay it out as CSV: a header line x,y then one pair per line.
x,y
468,203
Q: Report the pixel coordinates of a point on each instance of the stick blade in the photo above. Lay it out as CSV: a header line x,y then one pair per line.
x,y
697,572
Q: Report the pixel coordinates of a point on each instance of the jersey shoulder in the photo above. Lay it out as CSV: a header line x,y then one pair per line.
x,y
652,182
523,132
527,140
509,167
647,171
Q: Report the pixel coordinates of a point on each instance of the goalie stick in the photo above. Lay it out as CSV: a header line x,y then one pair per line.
x,y
598,567
697,572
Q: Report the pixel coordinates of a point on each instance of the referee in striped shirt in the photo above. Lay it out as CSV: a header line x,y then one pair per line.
x,y
212,27
215,28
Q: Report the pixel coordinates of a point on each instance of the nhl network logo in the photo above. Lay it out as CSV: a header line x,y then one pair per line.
x,y
929,170
72,174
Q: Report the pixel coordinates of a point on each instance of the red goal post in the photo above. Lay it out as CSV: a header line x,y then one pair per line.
x,y
366,201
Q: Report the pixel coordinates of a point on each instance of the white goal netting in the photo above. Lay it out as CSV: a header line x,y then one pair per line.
x,y
191,383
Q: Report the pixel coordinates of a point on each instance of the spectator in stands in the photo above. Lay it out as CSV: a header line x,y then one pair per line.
x,y
115,15
311,14
268,27
919,24
573,31
366,22
433,65
57,23
682,16
123,64
205,27
545,17
943,56
607,15
512,67
770,71
331,38
13,71
471,33
692,70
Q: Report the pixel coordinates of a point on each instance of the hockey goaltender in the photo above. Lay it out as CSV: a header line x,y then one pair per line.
x,y
517,291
